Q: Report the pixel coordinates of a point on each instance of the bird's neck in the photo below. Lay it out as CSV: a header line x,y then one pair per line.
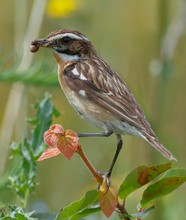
x,y
63,58
62,63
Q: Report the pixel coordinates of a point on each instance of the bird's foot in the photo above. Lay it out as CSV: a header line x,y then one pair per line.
x,y
104,184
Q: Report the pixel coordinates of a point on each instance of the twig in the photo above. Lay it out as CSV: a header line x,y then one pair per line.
x,y
122,210
88,164
99,179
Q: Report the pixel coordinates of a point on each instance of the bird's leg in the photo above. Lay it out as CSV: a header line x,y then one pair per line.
x,y
101,134
119,146
105,176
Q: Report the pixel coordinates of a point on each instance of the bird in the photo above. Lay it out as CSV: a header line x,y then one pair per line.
x,y
96,91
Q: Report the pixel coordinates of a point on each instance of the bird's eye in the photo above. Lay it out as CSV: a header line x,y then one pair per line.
x,y
66,40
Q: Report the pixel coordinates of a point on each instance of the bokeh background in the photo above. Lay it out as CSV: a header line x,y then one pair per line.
x,y
145,41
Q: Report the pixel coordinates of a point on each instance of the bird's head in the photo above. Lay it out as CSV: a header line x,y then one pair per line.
x,y
67,45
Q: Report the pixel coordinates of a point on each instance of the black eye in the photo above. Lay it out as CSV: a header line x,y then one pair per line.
x,y
66,40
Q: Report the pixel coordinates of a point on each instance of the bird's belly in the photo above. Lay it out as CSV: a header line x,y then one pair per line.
x,y
99,116
95,114
88,110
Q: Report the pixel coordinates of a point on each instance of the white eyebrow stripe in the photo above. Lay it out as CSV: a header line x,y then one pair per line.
x,y
71,35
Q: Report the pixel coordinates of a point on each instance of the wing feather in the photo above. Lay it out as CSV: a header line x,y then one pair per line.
x,y
105,88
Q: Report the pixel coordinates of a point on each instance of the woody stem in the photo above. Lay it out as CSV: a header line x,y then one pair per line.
x,y
88,164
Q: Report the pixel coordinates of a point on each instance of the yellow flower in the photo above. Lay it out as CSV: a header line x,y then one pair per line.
x,y
60,8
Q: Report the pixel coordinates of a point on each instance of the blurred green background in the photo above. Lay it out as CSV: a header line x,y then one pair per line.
x,y
144,41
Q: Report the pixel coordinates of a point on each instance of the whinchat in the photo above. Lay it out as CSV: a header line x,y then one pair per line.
x,y
96,91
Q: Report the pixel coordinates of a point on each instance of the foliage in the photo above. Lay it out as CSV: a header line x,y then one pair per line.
x,y
107,196
21,175
38,75
85,206
60,141
13,212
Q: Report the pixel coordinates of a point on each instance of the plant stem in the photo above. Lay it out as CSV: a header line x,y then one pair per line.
x,y
122,209
25,200
99,178
88,164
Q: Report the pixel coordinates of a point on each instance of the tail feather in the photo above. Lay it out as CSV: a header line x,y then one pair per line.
x,y
154,142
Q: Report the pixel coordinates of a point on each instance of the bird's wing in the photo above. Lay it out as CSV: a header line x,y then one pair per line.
x,y
101,85
104,87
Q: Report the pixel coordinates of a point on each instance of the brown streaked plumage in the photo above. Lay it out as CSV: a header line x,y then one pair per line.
x,y
96,91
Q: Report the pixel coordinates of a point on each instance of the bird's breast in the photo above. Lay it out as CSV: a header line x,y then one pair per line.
x,y
87,109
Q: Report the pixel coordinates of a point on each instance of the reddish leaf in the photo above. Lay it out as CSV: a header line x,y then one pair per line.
x,y
72,138
65,148
68,144
48,153
108,201
51,135
57,129
65,141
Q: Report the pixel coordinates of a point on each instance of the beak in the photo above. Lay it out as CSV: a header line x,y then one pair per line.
x,y
40,43
36,44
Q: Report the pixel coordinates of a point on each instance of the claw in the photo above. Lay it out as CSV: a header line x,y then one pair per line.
x,y
105,184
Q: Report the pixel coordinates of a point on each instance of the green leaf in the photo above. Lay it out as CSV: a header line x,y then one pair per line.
x,y
139,177
86,212
39,75
22,180
16,213
6,218
45,111
172,180
80,207
20,175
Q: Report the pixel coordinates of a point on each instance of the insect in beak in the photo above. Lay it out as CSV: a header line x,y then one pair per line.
x,y
36,44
